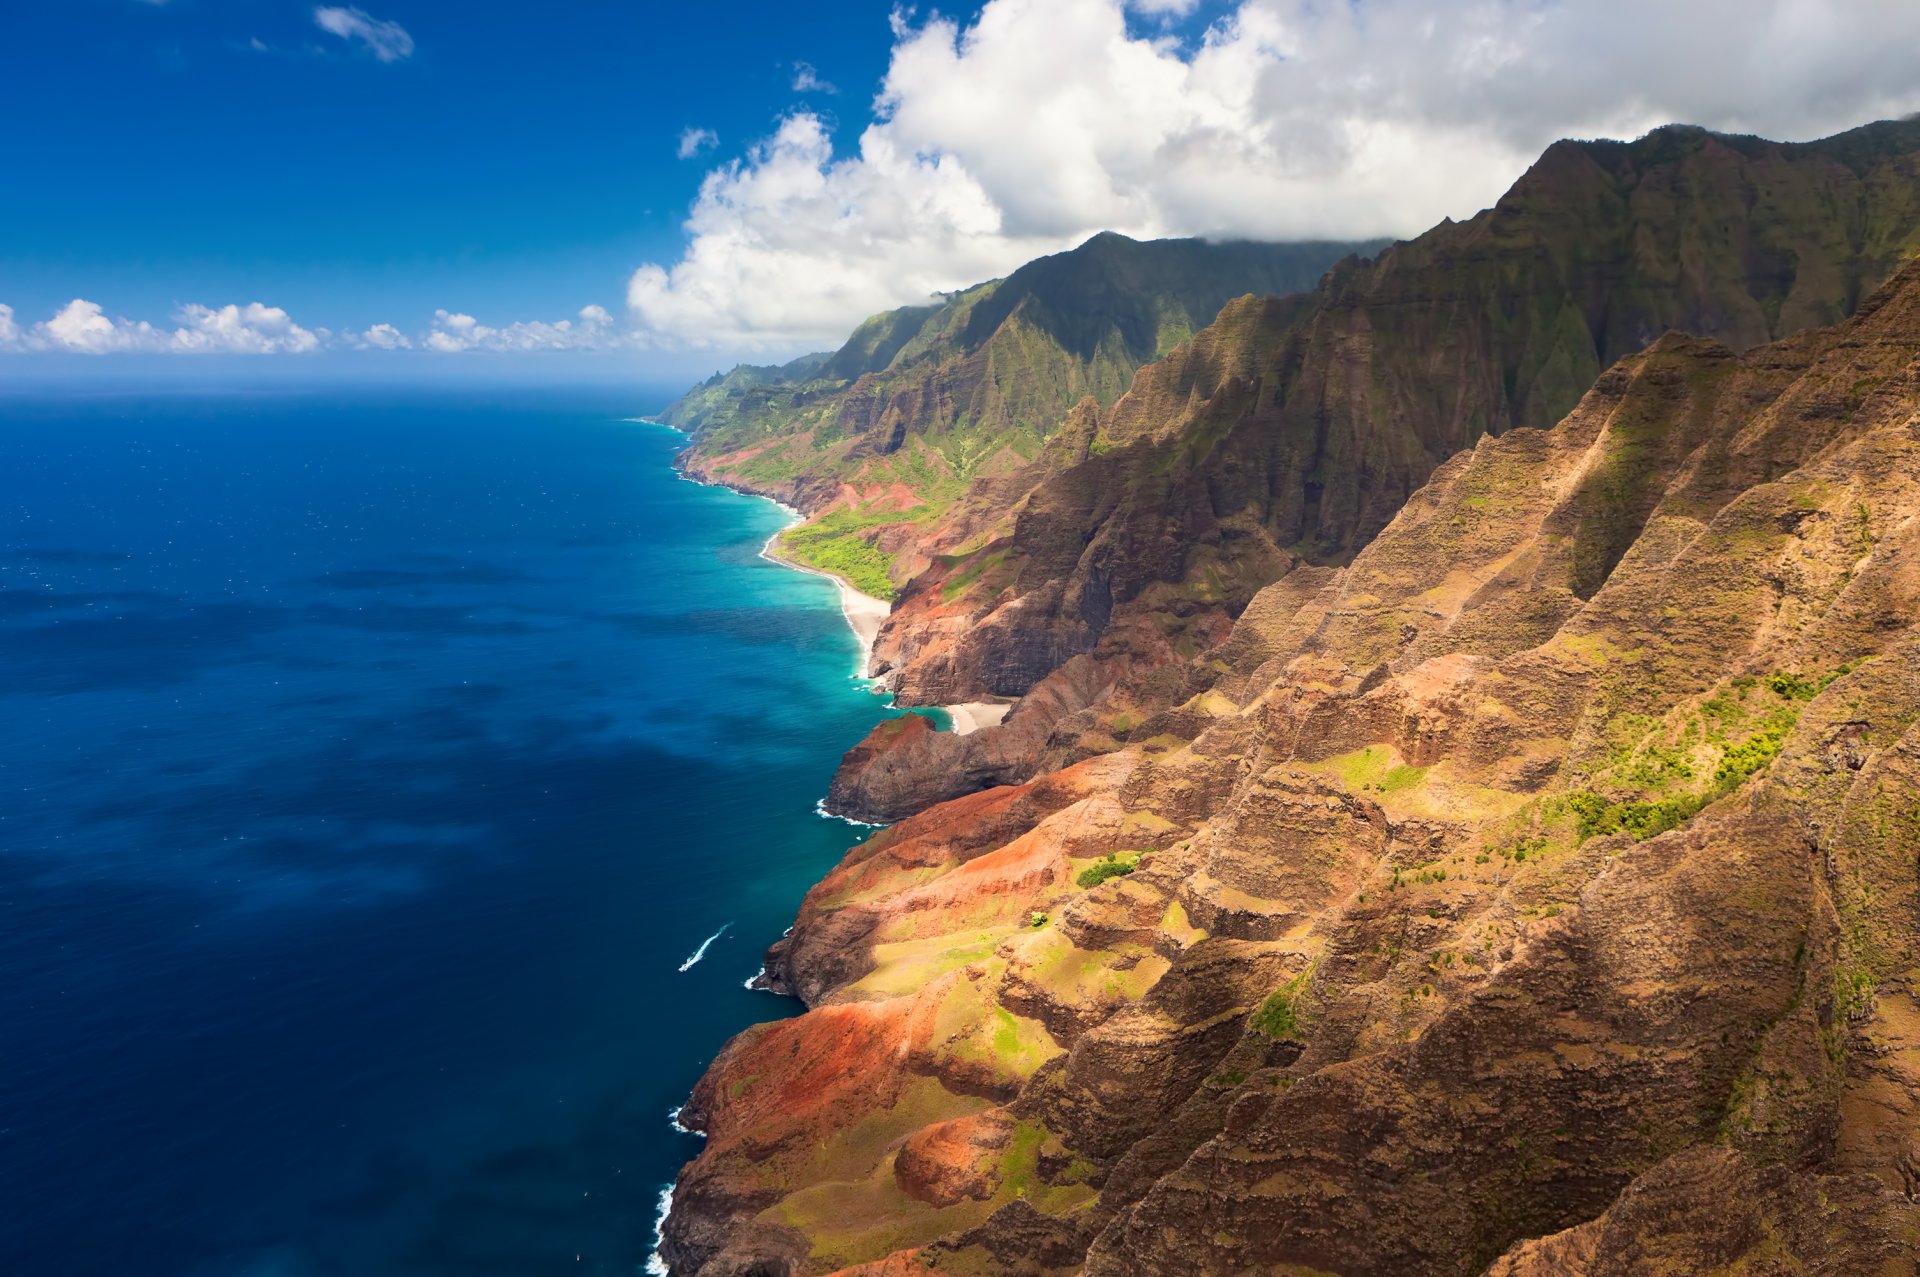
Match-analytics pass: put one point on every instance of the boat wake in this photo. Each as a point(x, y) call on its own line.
point(701, 952)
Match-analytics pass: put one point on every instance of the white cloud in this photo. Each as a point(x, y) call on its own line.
point(386, 41)
point(694, 141)
point(380, 337)
point(454, 333)
point(241, 330)
point(1046, 120)
point(82, 327)
point(807, 80)
point(594, 329)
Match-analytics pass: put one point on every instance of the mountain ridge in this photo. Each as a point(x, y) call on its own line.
point(1432, 841)
point(1291, 429)
point(921, 402)
point(1516, 892)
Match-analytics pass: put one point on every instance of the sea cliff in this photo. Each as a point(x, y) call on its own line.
point(1461, 813)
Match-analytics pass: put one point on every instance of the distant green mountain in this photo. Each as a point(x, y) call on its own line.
point(723, 393)
point(930, 396)
point(920, 402)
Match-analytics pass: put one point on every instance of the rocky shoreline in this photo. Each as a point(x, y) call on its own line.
point(1433, 839)
point(1392, 972)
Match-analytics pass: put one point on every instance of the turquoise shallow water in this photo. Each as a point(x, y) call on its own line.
point(373, 766)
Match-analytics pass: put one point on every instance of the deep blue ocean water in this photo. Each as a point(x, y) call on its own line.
point(369, 767)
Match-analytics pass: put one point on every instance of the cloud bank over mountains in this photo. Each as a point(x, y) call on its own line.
point(1048, 120)
point(1045, 121)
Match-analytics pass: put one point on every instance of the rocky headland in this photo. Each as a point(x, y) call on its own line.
point(1463, 811)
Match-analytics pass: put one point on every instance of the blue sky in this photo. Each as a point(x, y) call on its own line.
point(520, 162)
point(665, 187)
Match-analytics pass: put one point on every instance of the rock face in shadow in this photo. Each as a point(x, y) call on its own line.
point(1289, 431)
point(1292, 429)
point(904, 766)
point(1538, 893)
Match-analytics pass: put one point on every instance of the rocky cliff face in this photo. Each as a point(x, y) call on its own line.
point(1536, 893)
point(1291, 430)
point(1294, 429)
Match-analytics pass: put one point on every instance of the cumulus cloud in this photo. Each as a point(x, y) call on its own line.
point(386, 41)
point(241, 330)
point(1045, 121)
point(807, 80)
point(594, 329)
point(380, 337)
point(82, 327)
point(694, 141)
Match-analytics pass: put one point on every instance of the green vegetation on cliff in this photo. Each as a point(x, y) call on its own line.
point(1662, 768)
point(1005, 359)
point(1114, 865)
point(1297, 428)
point(720, 395)
point(837, 542)
point(931, 398)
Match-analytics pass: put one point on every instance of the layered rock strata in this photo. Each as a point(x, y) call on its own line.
point(1535, 894)
point(1289, 431)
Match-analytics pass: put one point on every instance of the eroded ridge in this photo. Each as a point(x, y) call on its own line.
point(1534, 895)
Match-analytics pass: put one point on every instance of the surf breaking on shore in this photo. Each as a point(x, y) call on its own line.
point(864, 613)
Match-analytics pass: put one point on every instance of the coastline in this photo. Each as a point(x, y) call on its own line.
point(974, 715)
point(864, 613)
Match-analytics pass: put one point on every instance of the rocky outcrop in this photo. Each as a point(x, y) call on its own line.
point(1537, 893)
point(904, 766)
point(1293, 429)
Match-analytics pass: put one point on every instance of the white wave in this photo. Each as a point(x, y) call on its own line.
point(656, 1266)
point(820, 810)
point(673, 1119)
point(701, 952)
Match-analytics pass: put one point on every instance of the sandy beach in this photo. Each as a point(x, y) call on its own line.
point(974, 715)
point(864, 613)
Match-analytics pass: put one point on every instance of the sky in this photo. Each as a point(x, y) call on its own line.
point(661, 189)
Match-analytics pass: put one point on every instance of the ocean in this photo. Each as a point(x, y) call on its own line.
point(399, 790)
